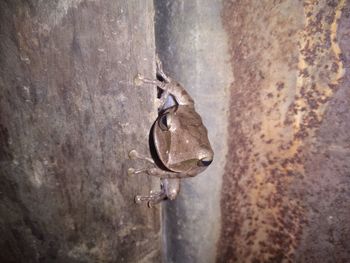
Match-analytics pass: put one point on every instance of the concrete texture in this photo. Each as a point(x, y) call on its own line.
point(192, 44)
point(69, 114)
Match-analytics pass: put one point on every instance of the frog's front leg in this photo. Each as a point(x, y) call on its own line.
point(133, 154)
point(155, 171)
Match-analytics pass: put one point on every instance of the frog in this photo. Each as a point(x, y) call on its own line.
point(179, 142)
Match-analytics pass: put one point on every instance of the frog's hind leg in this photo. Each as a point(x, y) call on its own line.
point(151, 199)
point(139, 79)
point(160, 71)
point(169, 189)
point(154, 197)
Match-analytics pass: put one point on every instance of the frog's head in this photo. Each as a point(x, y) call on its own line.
point(181, 140)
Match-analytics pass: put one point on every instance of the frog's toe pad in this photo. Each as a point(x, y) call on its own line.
point(138, 199)
point(133, 154)
point(131, 171)
point(138, 79)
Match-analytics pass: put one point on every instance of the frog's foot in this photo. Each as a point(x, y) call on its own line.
point(133, 154)
point(152, 199)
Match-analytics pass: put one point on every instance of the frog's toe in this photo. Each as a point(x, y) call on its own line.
point(133, 154)
point(138, 199)
point(138, 79)
point(131, 171)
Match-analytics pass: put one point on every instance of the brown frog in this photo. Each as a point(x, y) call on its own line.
point(178, 137)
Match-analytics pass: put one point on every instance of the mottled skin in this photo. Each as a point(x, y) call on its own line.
point(180, 140)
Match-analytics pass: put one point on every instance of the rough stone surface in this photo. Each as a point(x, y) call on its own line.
point(69, 114)
point(285, 195)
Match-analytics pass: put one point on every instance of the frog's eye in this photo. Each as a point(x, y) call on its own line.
point(164, 122)
point(205, 162)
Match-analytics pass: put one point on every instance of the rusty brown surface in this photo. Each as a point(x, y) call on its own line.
point(286, 188)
